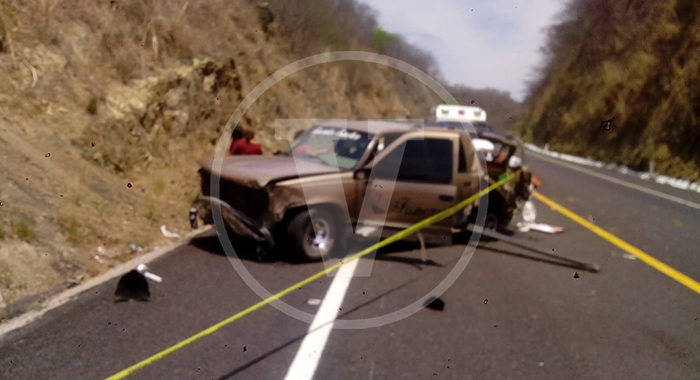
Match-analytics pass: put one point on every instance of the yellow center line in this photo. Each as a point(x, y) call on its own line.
point(636, 252)
point(391, 239)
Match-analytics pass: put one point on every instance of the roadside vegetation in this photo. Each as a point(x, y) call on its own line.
point(633, 62)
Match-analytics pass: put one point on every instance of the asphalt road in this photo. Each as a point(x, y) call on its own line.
point(508, 315)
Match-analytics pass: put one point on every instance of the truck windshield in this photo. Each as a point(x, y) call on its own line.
point(333, 146)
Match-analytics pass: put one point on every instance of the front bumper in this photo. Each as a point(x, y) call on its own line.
point(236, 220)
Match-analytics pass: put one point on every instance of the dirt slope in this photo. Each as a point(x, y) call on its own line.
point(105, 107)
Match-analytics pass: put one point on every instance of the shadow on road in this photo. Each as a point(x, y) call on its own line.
point(244, 249)
point(247, 250)
point(528, 257)
point(299, 337)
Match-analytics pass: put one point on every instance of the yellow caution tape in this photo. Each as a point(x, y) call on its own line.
point(391, 239)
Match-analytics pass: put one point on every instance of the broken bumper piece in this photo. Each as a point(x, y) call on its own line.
point(237, 221)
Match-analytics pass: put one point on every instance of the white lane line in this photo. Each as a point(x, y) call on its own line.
point(309, 354)
point(623, 183)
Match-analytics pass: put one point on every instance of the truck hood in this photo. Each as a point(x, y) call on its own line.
point(258, 171)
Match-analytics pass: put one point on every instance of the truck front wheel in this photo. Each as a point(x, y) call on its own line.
point(312, 234)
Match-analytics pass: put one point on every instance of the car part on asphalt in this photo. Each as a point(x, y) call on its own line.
point(132, 286)
point(143, 269)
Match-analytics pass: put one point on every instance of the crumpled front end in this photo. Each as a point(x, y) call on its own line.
point(251, 201)
point(243, 208)
point(237, 221)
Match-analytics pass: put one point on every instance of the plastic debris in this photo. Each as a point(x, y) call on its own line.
point(528, 216)
point(546, 228)
point(167, 233)
point(515, 162)
point(135, 247)
point(143, 269)
point(100, 260)
point(313, 301)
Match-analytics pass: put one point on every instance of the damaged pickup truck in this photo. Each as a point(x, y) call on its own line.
point(367, 178)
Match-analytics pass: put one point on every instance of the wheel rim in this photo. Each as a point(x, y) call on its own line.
point(318, 236)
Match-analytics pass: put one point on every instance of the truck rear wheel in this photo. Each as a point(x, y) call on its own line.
point(312, 234)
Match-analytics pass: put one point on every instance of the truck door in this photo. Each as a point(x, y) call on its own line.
point(413, 180)
point(469, 170)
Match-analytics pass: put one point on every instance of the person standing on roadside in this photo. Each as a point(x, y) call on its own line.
point(246, 145)
point(236, 135)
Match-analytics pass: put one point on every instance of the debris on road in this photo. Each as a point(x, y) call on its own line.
point(313, 301)
point(132, 286)
point(546, 228)
point(167, 233)
point(528, 215)
point(435, 303)
point(143, 269)
point(628, 256)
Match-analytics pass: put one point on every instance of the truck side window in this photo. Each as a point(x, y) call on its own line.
point(383, 142)
point(462, 168)
point(428, 160)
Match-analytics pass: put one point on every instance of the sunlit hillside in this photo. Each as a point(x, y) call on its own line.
point(633, 62)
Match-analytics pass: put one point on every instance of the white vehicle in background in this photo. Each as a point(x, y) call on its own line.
point(454, 113)
point(460, 114)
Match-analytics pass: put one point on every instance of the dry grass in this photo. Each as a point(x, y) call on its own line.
point(636, 62)
point(23, 230)
point(136, 91)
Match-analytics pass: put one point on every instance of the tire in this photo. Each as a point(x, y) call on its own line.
point(313, 234)
point(491, 222)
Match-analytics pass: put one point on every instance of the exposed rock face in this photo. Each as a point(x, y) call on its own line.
point(158, 116)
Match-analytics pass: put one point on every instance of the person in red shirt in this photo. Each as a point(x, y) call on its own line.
point(236, 135)
point(246, 145)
